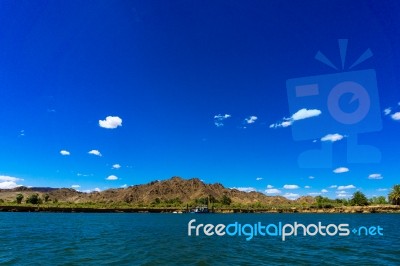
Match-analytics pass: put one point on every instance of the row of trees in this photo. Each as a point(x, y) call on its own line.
point(359, 199)
point(32, 199)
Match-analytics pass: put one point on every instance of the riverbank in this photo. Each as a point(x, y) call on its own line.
point(342, 209)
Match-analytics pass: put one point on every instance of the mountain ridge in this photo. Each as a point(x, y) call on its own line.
point(174, 189)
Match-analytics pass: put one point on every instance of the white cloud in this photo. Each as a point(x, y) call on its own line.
point(314, 193)
point(111, 122)
point(80, 174)
point(307, 187)
point(290, 186)
point(375, 176)
point(343, 195)
point(92, 190)
point(65, 152)
point(395, 116)
point(272, 191)
point(95, 152)
point(299, 115)
point(345, 187)
point(341, 170)
point(7, 178)
point(251, 119)
point(324, 191)
point(305, 113)
point(311, 177)
point(291, 196)
point(75, 186)
point(218, 119)
point(124, 186)
point(333, 186)
point(332, 137)
point(270, 186)
point(8, 185)
point(387, 111)
point(245, 189)
point(9, 182)
point(116, 166)
point(112, 177)
point(382, 189)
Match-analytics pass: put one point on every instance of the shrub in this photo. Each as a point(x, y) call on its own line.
point(34, 199)
point(19, 198)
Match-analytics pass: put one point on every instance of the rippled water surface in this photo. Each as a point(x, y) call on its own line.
point(161, 239)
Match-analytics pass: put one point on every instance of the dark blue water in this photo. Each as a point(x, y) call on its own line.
point(162, 239)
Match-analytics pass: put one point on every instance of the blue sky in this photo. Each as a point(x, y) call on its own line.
point(191, 89)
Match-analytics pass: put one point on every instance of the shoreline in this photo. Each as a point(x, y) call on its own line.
point(343, 209)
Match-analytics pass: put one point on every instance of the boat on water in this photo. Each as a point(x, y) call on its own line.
point(200, 210)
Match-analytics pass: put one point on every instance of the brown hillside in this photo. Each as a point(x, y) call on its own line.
point(186, 190)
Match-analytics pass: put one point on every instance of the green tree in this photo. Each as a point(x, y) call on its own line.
point(226, 200)
point(34, 199)
point(46, 197)
point(378, 200)
point(359, 199)
point(19, 198)
point(394, 195)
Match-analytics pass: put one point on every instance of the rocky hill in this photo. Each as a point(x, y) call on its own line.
point(175, 188)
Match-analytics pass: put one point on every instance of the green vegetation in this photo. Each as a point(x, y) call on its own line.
point(19, 198)
point(378, 200)
point(34, 199)
point(394, 195)
point(223, 203)
point(359, 199)
point(46, 197)
point(226, 200)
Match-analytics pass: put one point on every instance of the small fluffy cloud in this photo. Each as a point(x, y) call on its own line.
point(291, 196)
point(382, 189)
point(245, 189)
point(112, 177)
point(332, 137)
point(343, 195)
point(259, 178)
point(9, 182)
point(92, 190)
point(395, 116)
point(124, 186)
point(116, 166)
point(314, 193)
point(270, 186)
point(345, 187)
point(299, 115)
point(375, 176)
point(272, 191)
point(251, 119)
point(290, 186)
point(111, 122)
point(305, 113)
point(311, 177)
point(219, 119)
point(333, 186)
point(324, 191)
point(387, 111)
point(307, 187)
point(95, 152)
point(341, 170)
point(75, 186)
point(65, 152)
